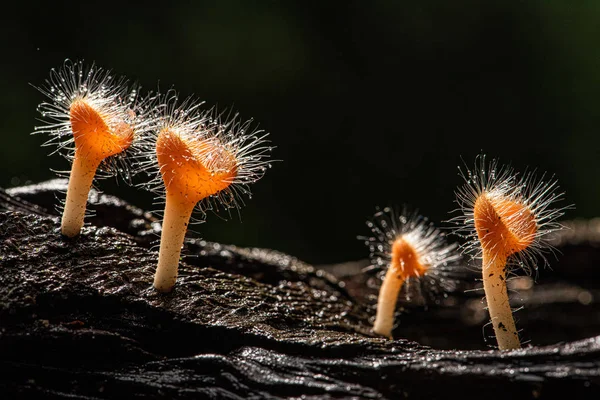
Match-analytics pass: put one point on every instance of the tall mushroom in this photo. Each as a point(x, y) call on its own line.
point(92, 118)
point(202, 161)
point(508, 219)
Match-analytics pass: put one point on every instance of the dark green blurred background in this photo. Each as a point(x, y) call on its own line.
point(368, 102)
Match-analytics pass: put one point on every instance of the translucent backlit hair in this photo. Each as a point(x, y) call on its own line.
point(412, 257)
point(113, 97)
point(212, 136)
point(507, 220)
point(96, 121)
point(197, 159)
point(538, 194)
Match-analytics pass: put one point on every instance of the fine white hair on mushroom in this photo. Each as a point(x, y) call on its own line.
point(116, 99)
point(442, 261)
point(538, 193)
point(224, 132)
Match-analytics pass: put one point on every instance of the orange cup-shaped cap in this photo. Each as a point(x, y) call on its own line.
point(194, 168)
point(504, 226)
point(93, 136)
point(405, 260)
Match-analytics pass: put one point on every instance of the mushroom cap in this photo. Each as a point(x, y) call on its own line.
point(196, 168)
point(95, 135)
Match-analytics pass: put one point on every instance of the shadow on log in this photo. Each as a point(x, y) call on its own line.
point(79, 320)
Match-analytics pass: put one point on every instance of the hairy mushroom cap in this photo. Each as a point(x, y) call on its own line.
point(195, 168)
point(92, 135)
point(95, 115)
point(507, 214)
point(504, 226)
point(411, 245)
point(201, 156)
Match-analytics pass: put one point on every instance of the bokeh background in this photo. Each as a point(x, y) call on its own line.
point(370, 103)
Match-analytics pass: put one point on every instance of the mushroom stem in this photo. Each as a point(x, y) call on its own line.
point(83, 171)
point(176, 219)
point(496, 294)
point(386, 303)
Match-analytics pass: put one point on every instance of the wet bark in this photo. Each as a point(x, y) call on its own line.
point(79, 319)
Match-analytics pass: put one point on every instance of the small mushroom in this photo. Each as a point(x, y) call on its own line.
point(508, 219)
point(406, 248)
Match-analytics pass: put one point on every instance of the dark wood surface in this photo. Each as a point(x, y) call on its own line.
point(79, 319)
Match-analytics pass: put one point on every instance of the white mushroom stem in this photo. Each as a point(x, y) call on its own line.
point(83, 171)
point(386, 303)
point(496, 295)
point(176, 219)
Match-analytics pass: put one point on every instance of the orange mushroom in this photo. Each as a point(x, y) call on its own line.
point(199, 159)
point(408, 248)
point(93, 117)
point(507, 218)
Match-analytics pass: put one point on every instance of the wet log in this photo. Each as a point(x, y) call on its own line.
point(79, 319)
